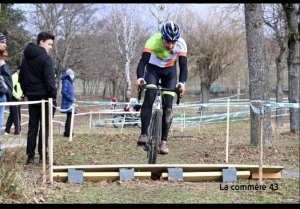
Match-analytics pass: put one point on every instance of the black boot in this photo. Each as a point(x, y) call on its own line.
point(30, 160)
point(41, 160)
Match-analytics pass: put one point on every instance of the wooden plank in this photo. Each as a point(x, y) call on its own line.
point(100, 176)
point(161, 168)
point(207, 176)
point(267, 175)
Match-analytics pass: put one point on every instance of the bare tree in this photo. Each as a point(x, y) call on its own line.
point(275, 19)
point(215, 45)
point(123, 23)
point(73, 26)
point(258, 73)
point(163, 13)
point(292, 16)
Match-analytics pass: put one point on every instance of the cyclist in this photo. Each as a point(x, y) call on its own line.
point(113, 102)
point(160, 54)
point(133, 106)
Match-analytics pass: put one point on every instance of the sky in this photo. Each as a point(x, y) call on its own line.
point(200, 7)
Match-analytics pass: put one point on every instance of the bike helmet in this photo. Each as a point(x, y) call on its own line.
point(170, 31)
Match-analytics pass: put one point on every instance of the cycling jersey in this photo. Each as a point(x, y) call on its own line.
point(159, 55)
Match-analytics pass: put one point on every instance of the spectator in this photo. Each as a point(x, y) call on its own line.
point(38, 83)
point(14, 116)
point(5, 79)
point(68, 98)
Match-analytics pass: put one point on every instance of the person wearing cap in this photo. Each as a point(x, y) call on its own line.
point(68, 98)
point(6, 84)
point(14, 116)
point(37, 81)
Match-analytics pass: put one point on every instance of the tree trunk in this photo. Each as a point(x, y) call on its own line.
point(127, 78)
point(293, 64)
point(205, 97)
point(280, 65)
point(258, 73)
point(104, 90)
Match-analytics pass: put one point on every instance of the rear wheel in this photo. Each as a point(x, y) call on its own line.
point(118, 121)
point(138, 121)
point(154, 133)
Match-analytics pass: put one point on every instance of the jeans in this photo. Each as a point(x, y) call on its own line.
point(2, 108)
point(14, 117)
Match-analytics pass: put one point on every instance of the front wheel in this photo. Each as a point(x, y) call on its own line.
point(118, 121)
point(154, 137)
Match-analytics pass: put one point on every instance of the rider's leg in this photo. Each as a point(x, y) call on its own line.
point(167, 117)
point(151, 78)
point(168, 80)
point(146, 110)
point(132, 111)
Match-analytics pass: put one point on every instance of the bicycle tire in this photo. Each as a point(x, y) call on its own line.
point(154, 130)
point(138, 120)
point(139, 125)
point(117, 121)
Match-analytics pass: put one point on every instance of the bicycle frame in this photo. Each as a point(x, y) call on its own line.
point(122, 120)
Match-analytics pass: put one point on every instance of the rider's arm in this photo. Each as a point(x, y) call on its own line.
point(183, 69)
point(142, 63)
point(127, 106)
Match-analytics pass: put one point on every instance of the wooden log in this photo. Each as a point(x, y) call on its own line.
point(207, 176)
point(266, 175)
point(100, 176)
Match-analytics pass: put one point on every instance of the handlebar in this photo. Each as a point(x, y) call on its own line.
point(178, 91)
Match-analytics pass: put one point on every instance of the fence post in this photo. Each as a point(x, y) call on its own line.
point(90, 119)
point(72, 122)
point(261, 117)
point(50, 147)
point(44, 140)
point(227, 132)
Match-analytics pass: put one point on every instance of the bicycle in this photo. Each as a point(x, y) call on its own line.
point(154, 130)
point(126, 119)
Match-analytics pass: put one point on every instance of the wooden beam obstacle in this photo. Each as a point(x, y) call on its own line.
point(191, 172)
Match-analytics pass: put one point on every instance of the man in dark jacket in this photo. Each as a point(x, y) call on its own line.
point(38, 83)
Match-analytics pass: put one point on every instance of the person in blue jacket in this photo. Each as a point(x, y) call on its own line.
point(68, 98)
